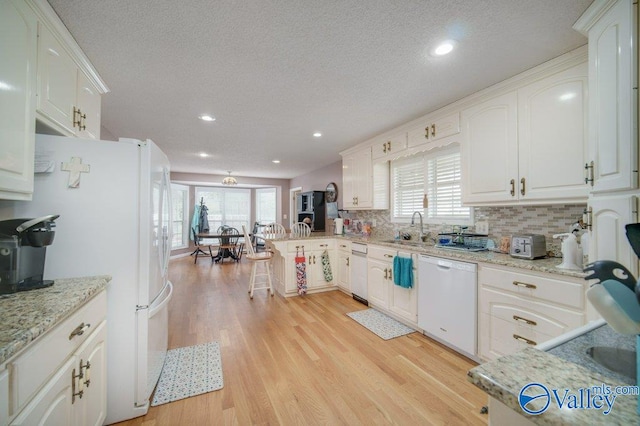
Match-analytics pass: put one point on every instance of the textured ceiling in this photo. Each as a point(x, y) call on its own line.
point(272, 72)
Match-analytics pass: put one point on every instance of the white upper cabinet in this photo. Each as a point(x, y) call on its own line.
point(365, 184)
point(552, 136)
point(513, 140)
point(613, 140)
point(57, 78)
point(490, 151)
point(67, 101)
point(434, 128)
point(388, 148)
point(18, 52)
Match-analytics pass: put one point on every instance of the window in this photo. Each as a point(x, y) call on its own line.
point(226, 206)
point(436, 175)
point(180, 209)
point(266, 205)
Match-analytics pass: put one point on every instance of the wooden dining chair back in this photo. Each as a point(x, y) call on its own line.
point(262, 258)
point(229, 244)
point(197, 241)
point(300, 229)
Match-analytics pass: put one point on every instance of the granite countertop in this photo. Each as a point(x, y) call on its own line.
point(504, 377)
point(547, 265)
point(26, 315)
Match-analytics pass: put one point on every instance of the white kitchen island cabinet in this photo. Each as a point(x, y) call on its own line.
point(18, 50)
point(512, 140)
point(285, 274)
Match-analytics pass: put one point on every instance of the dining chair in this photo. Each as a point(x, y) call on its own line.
point(300, 229)
point(274, 231)
point(197, 241)
point(229, 244)
point(262, 258)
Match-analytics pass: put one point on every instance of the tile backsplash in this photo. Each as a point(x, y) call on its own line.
point(503, 221)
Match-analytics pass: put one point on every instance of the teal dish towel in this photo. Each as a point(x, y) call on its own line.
point(403, 271)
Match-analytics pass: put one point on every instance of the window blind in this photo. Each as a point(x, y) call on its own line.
point(408, 186)
point(436, 174)
point(444, 187)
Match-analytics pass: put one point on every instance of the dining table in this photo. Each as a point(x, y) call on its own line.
point(224, 252)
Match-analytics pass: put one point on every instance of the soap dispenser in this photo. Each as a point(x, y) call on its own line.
point(569, 251)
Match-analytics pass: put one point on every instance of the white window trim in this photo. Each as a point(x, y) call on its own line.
point(186, 219)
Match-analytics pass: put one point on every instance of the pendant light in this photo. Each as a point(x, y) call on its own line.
point(229, 180)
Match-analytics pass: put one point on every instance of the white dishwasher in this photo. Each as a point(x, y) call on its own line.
point(358, 266)
point(447, 300)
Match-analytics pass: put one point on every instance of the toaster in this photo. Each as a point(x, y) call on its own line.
point(528, 246)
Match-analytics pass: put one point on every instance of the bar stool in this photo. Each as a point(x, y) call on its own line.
point(263, 258)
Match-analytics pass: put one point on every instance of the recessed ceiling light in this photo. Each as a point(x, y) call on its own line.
point(207, 118)
point(443, 48)
point(275, 161)
point(203, 155)
point(317, 134)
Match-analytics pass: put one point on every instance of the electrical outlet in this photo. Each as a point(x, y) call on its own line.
point(373, 223)
point(482, 227)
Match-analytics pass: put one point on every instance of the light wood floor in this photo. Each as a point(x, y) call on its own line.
point(302, 361)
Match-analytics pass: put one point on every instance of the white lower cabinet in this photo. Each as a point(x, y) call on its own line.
point(343, 267)
point(61, 378)
point(518, 309)
point(285, 272)
point(382, 292)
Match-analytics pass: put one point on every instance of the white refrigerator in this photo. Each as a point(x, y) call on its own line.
point(114, 202)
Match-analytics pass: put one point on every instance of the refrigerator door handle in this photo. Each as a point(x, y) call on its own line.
point(155, 308)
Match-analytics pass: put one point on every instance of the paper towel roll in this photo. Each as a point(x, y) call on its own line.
point(338, 225)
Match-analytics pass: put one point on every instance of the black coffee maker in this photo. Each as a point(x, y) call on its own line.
point(23, 244)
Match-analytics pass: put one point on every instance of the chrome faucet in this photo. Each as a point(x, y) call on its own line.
point(413, 222)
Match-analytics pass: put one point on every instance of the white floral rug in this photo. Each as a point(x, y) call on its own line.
point(382, 325)
point(189, 371)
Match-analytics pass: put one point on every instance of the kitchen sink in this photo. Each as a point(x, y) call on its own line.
point(619, 360)
point(407, 242)
point(598, 348)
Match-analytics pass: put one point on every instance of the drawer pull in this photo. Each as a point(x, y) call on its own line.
point(347, 261)
point(324, 245)
point(343, 246)
point(526, 321)
point(525, 285)
point(388, 255)
point(79, 330)
point(524, 339)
